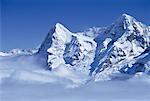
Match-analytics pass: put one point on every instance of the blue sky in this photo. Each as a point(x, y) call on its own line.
point(25, 23)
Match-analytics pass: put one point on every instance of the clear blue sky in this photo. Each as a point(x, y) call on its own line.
point(25, 23)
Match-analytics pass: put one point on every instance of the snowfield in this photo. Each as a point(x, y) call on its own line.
point(100, 64)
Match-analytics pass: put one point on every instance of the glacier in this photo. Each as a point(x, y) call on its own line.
point(97, 58)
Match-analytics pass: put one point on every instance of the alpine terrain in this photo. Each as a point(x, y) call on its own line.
point(120, 51)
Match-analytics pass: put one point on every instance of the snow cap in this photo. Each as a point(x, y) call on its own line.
point(127, 17)
point(62, 33)
point(60, 28)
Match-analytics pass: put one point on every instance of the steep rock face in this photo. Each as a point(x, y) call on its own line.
point(79, 53)
point(105, 41)
point(64, 47)
point(142, 64)
point(52, 48)
point(60, 37)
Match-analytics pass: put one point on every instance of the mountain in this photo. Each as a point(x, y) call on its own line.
point(119, 51)
point(19, 52)
point(119, 46)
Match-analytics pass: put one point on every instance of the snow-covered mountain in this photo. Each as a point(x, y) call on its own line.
point(72, 49)
point(14, 52)
point(100, 53)
point(119, 46)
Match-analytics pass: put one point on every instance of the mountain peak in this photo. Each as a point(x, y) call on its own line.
point(58, 32)
point(59, 24)
point(127, 16)
point(126, 21)
point(60, 28)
